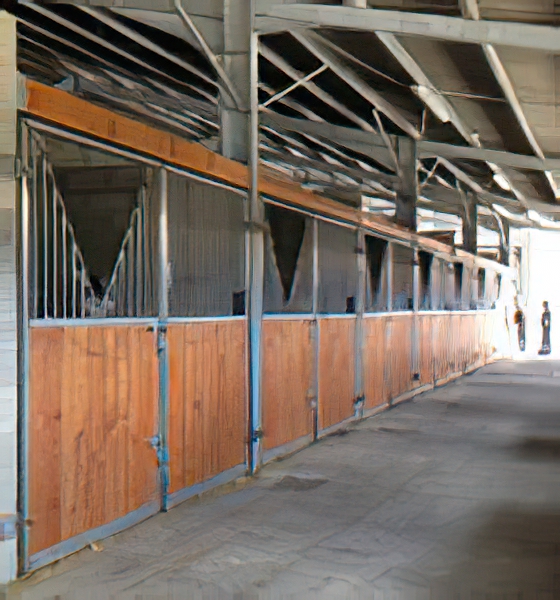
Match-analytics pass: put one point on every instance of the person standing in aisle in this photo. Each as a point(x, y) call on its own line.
point(519, 320)
point(545, 322)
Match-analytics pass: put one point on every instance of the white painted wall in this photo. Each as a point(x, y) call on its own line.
point(540, 275)
point(8, 295)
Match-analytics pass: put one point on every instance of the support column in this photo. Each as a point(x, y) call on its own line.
point(235, 121)
point(407, 193)
point(256, 261)
point(470, 223)
point(416, 324)
point(8, 302)
point(359, 392)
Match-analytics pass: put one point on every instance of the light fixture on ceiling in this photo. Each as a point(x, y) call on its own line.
point(502, 182)
point(435, 102)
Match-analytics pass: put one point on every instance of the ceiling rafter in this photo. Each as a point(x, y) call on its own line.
point(436, 101)
point(509, 92)
point(293, 17)
point(313, 43)
point(103, 43)
point(282, 64)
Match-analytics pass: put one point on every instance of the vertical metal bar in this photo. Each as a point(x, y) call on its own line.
point(45, 238)
point(144, 255)
point(54, 248)
point(64, 265)
point(389, 275)
point(316, 329)
point(416, 318)
point(35, 210)
point(138, 264)
point(74, 272)
point(82, 289)
point(25, 224)
point(163, 252)
point(256, 257)
point(359, 362)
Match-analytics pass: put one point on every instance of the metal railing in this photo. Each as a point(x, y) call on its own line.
point(60, 283)
point(126, 294)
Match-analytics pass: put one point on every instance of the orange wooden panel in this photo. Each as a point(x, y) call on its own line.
point(287, 382)
point(399, 355)
point(104, 381)
point(207, 400)
point(44, 438)
point(336, 370)
point(374, 349)
point(426, 348)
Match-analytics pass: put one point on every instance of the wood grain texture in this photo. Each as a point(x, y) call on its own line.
point(93, 408)
point(426, 348)
point(288, 381)
point(398, 372)
point(207, 400)
point(336, 370)
point(375, 345)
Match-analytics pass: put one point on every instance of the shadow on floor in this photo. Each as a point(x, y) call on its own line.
point(516, 554)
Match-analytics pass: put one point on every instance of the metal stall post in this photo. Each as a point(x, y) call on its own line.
point(315, 330)
point(256, 262)
point(415, 318)
point(23, 355)
point(388, 327)
point(359, 359)
point(160, 441)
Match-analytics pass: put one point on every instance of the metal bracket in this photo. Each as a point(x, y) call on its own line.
point(258, 434)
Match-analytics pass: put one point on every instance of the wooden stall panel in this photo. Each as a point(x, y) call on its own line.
point(336, 370)
point(426, 348)
point(375, 388)
point(288, 381)
point(207, 400)
point(92, 411)
point(399, 355)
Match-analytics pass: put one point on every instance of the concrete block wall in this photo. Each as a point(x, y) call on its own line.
point(8, 301)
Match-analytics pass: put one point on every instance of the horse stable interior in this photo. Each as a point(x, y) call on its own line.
point(192, 287)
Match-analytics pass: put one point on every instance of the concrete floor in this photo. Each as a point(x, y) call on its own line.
point(453, 496)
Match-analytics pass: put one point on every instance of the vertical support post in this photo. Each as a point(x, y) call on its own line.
point(359, 394)
point(316, 332)
point(470, 222)
point(64, 265)
point(54, 248)
point(256, 259)
point(416, 318)
point(163, 359)
point(23, 480)
point(389, 275)
point(45, 193)
point(407, 193)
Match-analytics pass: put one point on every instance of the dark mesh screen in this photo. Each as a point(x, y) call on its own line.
point(206, 250)
point(403, 265)
point(338, 269)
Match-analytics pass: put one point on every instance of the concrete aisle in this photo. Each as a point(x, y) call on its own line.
point(453, 496)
